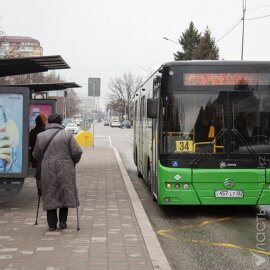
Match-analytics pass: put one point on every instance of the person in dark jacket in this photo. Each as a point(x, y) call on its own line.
point(40, 127)
point(250, 131)
point(58, 179)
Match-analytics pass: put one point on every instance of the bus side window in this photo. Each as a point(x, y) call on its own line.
point(135, 115)
point(142, 111)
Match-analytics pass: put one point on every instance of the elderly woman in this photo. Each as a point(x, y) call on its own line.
point(58, 179)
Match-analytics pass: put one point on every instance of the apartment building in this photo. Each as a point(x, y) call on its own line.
point(19, 46)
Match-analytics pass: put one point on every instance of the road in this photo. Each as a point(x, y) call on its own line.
point(199, 237)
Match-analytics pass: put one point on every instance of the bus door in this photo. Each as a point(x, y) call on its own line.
point(141, 134)
point(154, 149)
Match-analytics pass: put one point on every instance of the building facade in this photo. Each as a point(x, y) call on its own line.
point(19, 46)
point(89, 105)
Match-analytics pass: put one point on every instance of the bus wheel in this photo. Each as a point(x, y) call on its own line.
point(139, 174)
point(136, 163)
point(136, 158)
point(150, 182)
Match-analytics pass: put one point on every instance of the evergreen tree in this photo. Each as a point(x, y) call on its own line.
point(189, 41)
point(206, 49)
point(197, 46)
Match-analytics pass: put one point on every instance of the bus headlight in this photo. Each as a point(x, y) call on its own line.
point(177, 186)
point(168, 185)
point(186, 186)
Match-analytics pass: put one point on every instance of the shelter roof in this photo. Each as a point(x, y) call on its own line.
point(44, 87)
point(26, 65)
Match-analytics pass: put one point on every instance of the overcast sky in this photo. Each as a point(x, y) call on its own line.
point(104, 38)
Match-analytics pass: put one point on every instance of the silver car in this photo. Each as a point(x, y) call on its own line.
point(73, 127)
point(115, 123)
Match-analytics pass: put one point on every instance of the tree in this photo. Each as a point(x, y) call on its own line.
point(197, 46)
point(189, 42)
point(123, 91)
point(206, 49)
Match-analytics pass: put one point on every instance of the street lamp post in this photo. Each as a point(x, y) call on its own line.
point(171, 40)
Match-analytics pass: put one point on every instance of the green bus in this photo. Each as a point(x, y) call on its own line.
point(201, 133)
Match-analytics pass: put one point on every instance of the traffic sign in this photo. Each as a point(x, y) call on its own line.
point(85, 125)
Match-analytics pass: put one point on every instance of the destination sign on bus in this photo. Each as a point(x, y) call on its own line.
point(203, 79)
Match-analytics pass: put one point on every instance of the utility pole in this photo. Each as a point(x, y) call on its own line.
point(94, 96)
point(64, 104)
point(243, 29)
point(1, 31)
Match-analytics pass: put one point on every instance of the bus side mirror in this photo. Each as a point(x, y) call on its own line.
point(152, 108)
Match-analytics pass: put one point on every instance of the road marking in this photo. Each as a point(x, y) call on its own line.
point(204, 223)
point(228, 245)
point(110, 140)
point(166, 233)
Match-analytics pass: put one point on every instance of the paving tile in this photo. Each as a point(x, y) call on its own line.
point(109, 236)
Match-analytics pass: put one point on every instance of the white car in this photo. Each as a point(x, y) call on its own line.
point(115, 123)
point(73, 127)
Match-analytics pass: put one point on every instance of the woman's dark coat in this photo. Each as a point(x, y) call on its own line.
point(58, 179)
point(32, 141)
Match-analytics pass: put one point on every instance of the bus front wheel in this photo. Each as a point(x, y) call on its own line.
point(150, 182)
point(139, 174)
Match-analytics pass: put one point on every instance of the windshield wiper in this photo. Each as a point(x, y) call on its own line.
point(209, 147)
point(242, 139)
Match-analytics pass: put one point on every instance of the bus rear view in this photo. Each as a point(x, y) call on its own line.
point(210, 134)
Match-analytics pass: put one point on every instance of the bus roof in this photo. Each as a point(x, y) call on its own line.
point(216, 63)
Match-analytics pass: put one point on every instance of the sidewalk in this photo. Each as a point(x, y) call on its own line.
point(110, 237)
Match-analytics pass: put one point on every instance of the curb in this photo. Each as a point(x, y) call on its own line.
point(156, 253)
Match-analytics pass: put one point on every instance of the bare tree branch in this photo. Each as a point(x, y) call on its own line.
point(123, 91)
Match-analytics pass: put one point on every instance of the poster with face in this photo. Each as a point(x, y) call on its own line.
point(40, 107)
point(11, 133)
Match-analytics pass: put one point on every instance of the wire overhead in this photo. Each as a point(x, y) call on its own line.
point(229, 31)
point(256, 18)
point(258, 7)
point(239, 20)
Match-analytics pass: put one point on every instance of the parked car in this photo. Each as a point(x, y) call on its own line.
point(106, 124)
point(115, 123)
point(125, 124)
point(73, 127)
point(66, 121)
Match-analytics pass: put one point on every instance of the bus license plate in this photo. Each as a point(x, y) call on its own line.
point(229, 193)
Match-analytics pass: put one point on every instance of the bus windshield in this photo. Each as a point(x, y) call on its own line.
point(192, 122)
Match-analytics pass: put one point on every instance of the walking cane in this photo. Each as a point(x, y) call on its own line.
point(78, 225)
point(77, 210)
point(37, 210)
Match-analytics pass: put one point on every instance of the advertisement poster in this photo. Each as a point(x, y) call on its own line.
point(40, 107)
point(11, 133)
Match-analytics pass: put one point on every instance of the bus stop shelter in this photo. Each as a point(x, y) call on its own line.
point(11, 183)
